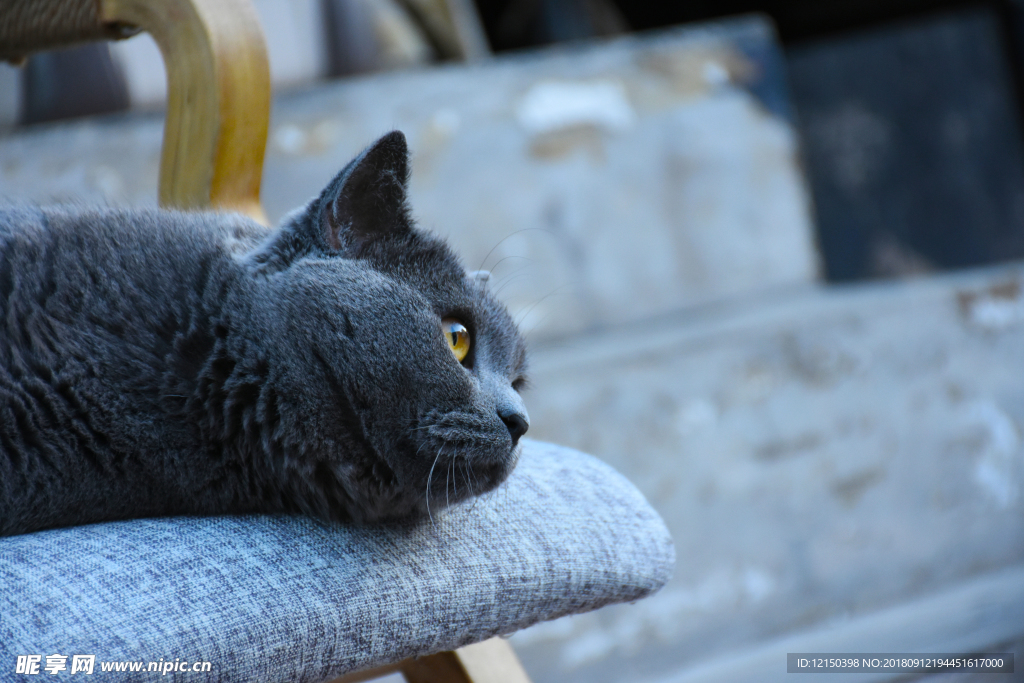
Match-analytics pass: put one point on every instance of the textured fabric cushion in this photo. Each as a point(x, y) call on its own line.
point(33, 25)
point(283, 598)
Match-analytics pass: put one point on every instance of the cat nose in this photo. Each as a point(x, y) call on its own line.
point(517, 424)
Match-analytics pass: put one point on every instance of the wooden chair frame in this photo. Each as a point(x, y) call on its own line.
point(492, 661)
point(218, 99)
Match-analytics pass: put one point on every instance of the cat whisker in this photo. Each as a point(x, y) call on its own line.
point(509, 279)
point(447, 483)
point(467, 472)
point(417, 429)
point(522, 316)
point(523, 269)
point(510, 256)
point(429, 475)
point(482, 263)
point(455, 478)
point(418, 451)
point(495, 266)
point(476, 498)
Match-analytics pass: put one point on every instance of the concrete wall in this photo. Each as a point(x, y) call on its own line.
point(601, 184)
point(817, 457)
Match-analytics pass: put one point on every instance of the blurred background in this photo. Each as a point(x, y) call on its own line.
point(767, 256)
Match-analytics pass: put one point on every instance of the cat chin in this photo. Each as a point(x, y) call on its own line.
point(454, 476)
point(377, 494)
point(461, 480)
point(459, 454)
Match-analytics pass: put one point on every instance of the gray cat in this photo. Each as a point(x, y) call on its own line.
point(343, 366)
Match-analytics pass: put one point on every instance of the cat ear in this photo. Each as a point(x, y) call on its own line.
point(367, 199)
point(363, 202)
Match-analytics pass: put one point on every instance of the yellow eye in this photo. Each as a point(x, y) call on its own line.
point(457, 336)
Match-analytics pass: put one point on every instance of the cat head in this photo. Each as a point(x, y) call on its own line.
point(396, 373)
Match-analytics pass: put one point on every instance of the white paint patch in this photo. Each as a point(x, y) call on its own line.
point(695, 415)
point(998, 469)
point(317, 138)
point(290, 139)
point(993, 478)
point(715, 74)
point(757, 584)
point(446, 121)
point(996, 313)
point(555, 105)
point(108, 182)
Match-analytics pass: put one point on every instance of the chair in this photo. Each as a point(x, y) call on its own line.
point(218, 102)
point(266, 598)
point(279, 598)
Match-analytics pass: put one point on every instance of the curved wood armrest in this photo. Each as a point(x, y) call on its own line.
point(218, 99)
point(218, 85)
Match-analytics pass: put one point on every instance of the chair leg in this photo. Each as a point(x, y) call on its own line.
point(492, 661)
point(218, 99)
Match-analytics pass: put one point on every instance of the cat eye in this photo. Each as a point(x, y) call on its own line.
point(457, 336)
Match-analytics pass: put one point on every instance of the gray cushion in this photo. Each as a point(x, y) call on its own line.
point(286, 598)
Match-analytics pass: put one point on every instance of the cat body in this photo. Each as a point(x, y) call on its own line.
point(161, 363)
